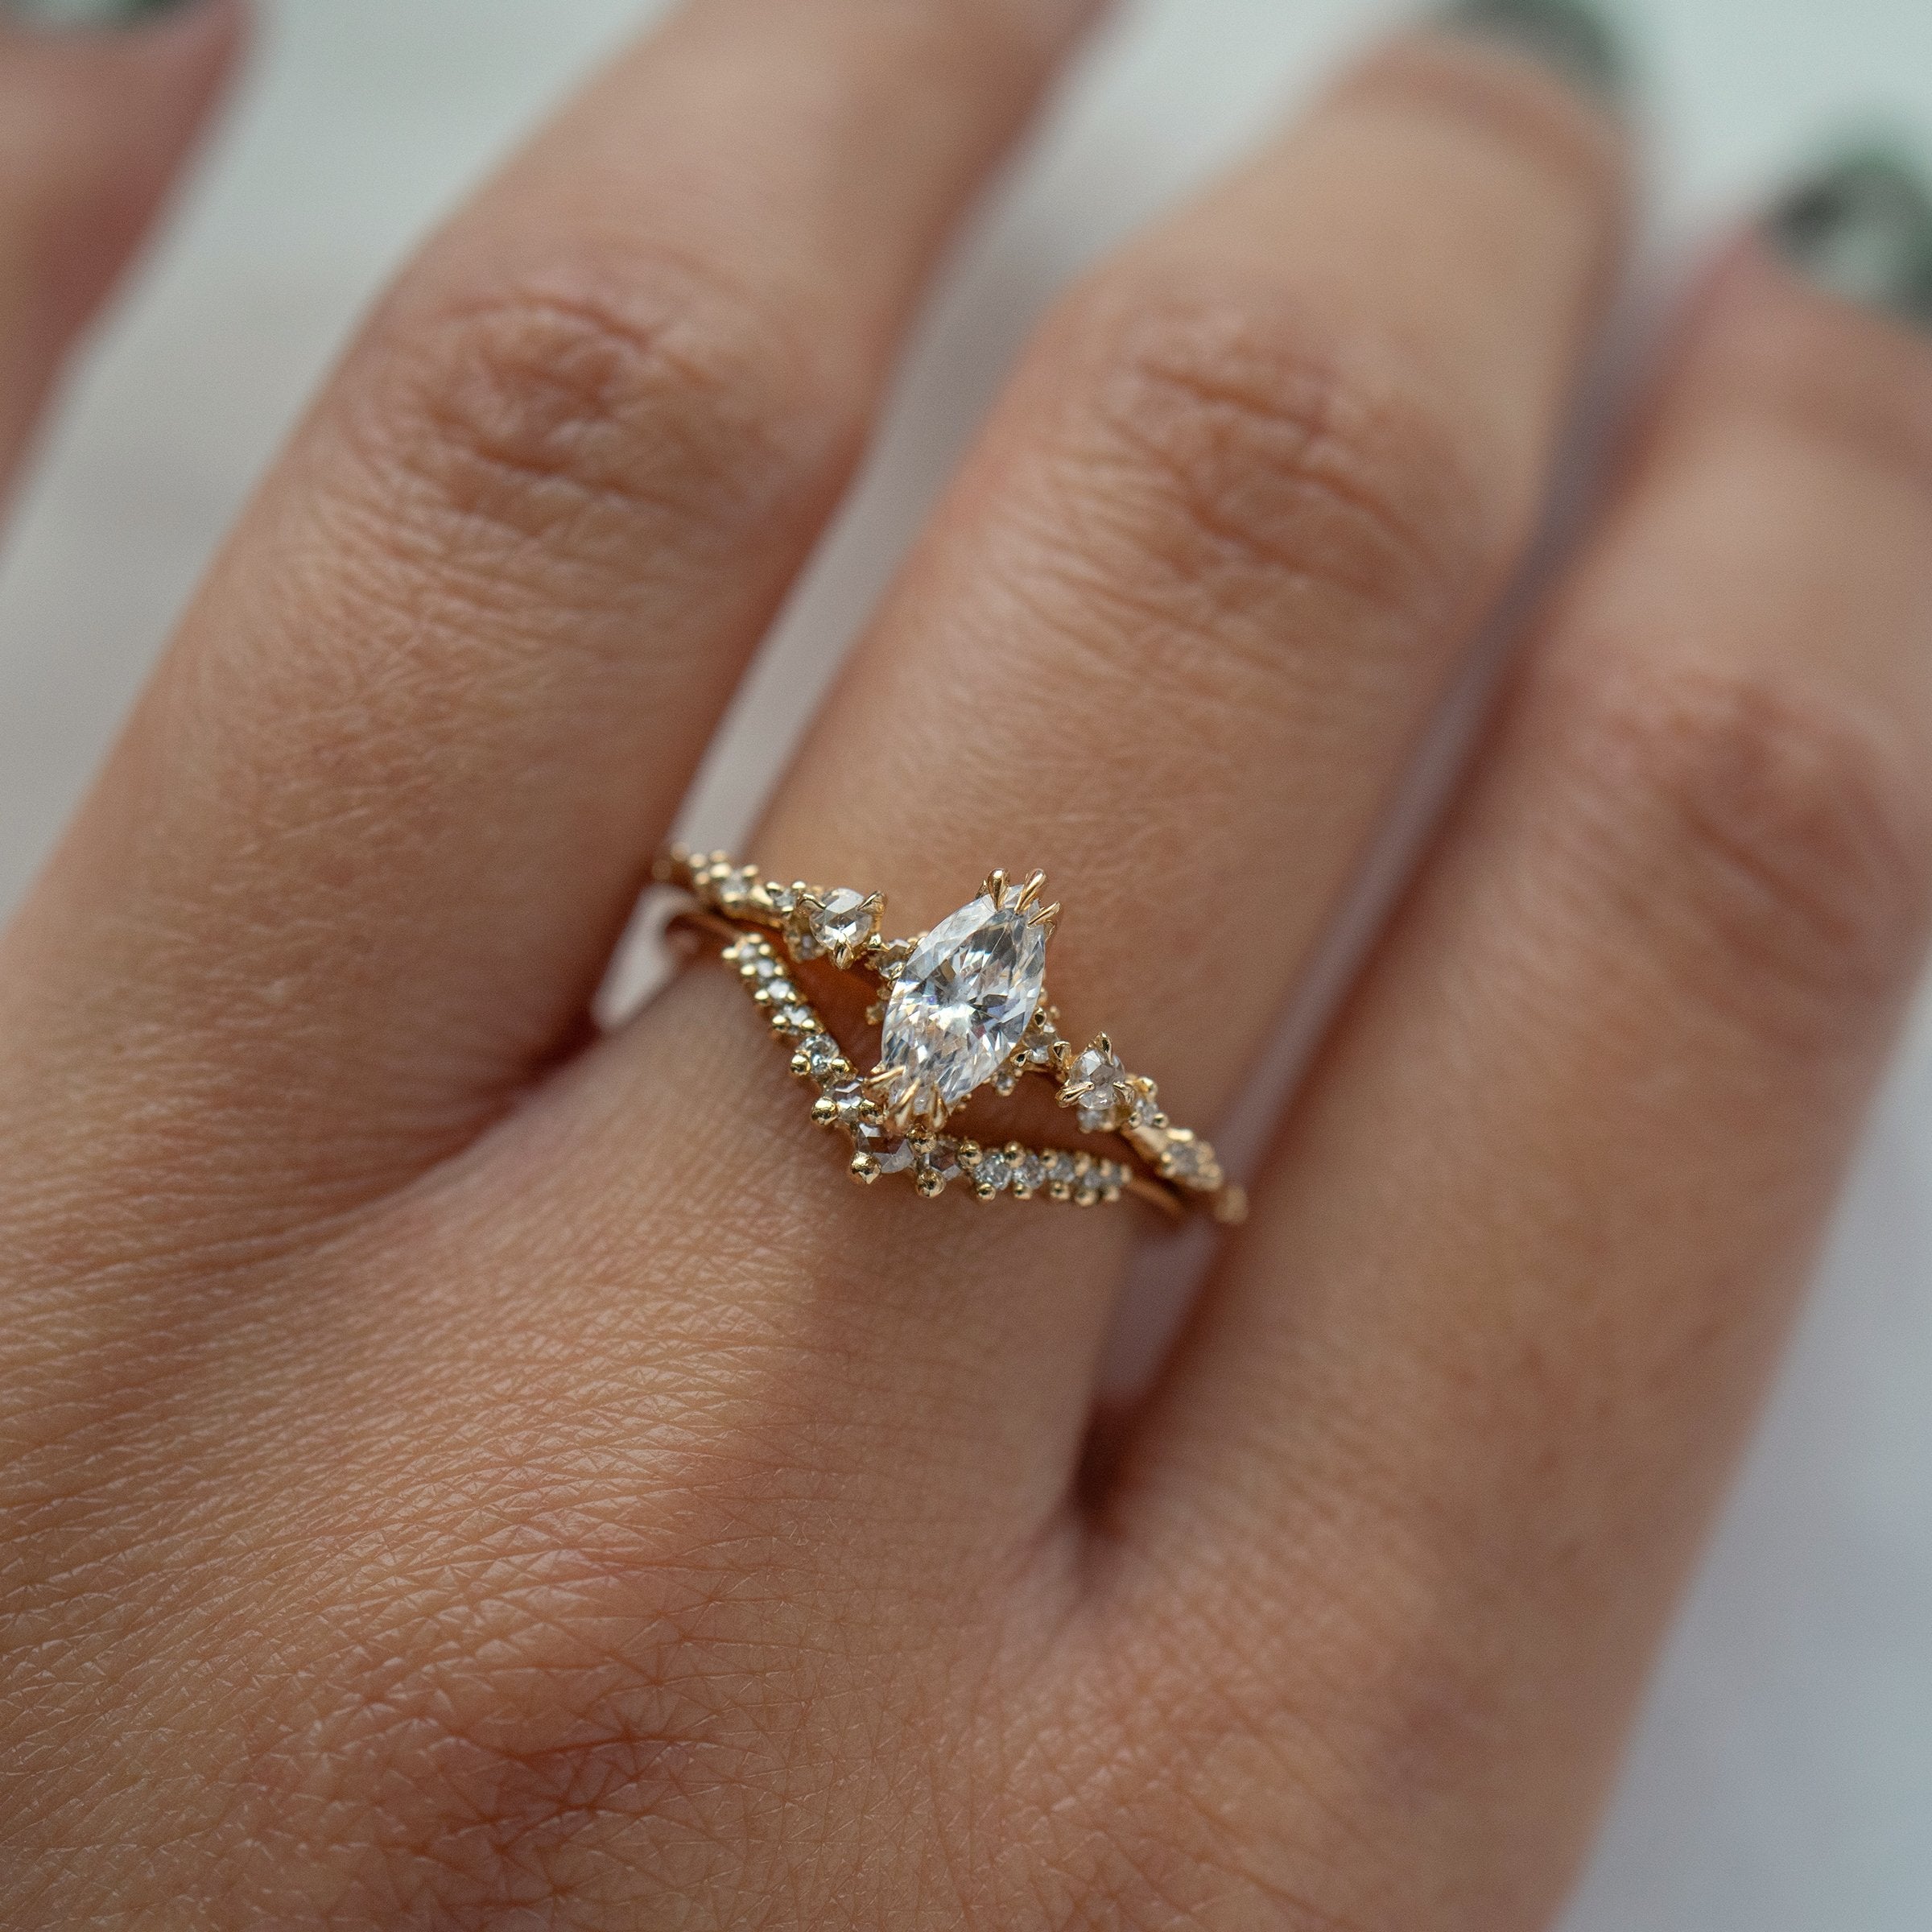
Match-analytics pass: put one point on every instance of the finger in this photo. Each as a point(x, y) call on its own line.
point(1169, 641)
point(93, 128)
point(1442, 1442)
point(1255, 484)
point(363, 855)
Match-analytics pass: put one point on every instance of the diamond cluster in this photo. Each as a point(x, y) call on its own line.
point(1112, 1100)
point(961, 1007)
point(932, 1161)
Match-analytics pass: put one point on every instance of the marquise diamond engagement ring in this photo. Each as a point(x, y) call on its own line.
point(958, 1009)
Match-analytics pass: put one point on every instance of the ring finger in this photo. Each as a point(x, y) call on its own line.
point(1253, 487)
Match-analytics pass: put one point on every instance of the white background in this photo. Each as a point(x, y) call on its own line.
point(1782, 1779)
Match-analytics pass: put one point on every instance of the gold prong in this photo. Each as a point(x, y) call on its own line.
point(993, 887)
point(929, 1183)
point(865, 1168)
point(1029, 893)
point(825, 1111)
point(1045, 920)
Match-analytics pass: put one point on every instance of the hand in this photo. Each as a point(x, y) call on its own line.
point(458, 1470)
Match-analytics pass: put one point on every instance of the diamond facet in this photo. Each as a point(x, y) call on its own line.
point(962, 1003)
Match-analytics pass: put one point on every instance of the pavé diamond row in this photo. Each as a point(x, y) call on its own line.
point(960, 1008)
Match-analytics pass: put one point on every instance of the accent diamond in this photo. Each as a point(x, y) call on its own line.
point(992, 1172)
point(1097, 1083)
point(964, 1002)
point(1191, 1161)
point(934, 1164)
point(840, 924)
point(892, 1154)
point(820, 1055)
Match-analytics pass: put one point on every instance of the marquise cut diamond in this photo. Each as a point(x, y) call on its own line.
point(962, 1004)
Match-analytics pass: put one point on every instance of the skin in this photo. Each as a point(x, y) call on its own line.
point(461, 1471)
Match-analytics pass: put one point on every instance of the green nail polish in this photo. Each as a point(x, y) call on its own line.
point(1572, 37)
point(1862, 229)
point(83, 13)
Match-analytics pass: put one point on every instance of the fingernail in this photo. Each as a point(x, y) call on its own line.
point(83, 13)
point(1862, 229)
point(1568, 36)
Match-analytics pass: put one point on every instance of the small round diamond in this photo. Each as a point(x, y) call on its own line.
point(821, 1054)
point(993, 1173)
point(1029, 1174)
point(1191, 1161)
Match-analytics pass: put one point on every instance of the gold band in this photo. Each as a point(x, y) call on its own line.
point(961, 1007)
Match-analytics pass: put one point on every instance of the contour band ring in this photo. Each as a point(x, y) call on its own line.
point(960, 1008)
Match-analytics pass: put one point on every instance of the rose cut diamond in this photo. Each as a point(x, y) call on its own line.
point(962, 1005)
point(840, 925)
point(1098, 1083)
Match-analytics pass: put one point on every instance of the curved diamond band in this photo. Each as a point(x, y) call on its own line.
point(960, 1008)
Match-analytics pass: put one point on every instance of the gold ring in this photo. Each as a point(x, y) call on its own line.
point(960, 1008)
